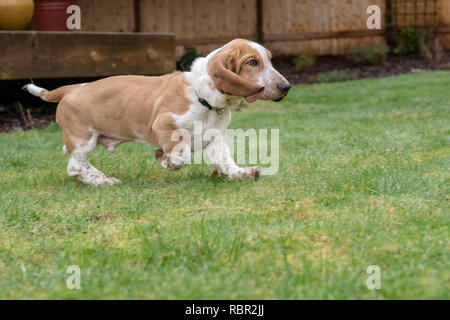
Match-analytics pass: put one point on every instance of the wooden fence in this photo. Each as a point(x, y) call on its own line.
point(317, 26)
point(205, 24)
point(284, 26)
point(444, 22)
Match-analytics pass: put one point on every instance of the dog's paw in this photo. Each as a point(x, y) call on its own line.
point(257, 173)
point(253, 172)
point(111, 181)
point(216, 174)
point(244, 173)
point(159, 154)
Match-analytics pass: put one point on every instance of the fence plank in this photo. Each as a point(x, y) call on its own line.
point(203, 23)
point(444, 22)
point(109, 16)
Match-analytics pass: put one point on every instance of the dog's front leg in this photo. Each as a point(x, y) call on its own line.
point(175, 152)
point(220, 156)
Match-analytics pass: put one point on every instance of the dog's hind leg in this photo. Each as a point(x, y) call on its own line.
point(78, 149)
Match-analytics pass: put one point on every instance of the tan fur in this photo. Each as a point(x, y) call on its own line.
point(231, 74)
point(125, 107)
point(57, 94)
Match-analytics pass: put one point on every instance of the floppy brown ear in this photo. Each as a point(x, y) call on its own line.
point(223, 68)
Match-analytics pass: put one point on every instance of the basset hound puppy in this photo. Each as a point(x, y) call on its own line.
point(145, 109)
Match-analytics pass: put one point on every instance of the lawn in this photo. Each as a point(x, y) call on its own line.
point(363, 180)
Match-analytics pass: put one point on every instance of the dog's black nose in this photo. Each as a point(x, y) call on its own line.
point(284, 87)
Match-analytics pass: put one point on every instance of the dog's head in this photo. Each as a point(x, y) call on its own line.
point(243, 68)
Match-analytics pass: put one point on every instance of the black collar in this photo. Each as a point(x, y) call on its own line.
point(206, 104)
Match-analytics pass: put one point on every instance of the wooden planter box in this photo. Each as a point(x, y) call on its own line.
point(40, 54)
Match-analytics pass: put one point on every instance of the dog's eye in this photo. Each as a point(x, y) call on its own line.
point(253, 63)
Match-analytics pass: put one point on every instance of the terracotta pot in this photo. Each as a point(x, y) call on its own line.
point(51, 15)
point(15, 14)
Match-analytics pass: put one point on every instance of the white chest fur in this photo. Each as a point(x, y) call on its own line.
point(200, 123)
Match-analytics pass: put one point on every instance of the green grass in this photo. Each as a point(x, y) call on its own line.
point(363, 180)
point(332, 76)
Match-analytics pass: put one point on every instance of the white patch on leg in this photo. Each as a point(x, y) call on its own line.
point(90, 175)
point(80, 168)
point(165, 163)
point(220, 156)
point(177, 158)
point(180, 155)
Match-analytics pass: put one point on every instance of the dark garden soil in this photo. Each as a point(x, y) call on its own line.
point(13, 117)
point(394, 65)
point(20, 110)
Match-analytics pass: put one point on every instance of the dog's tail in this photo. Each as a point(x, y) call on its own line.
point(50, 96)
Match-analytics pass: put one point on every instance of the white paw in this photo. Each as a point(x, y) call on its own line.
point(112, 181)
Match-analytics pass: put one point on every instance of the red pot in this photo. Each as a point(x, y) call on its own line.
point(51, 15)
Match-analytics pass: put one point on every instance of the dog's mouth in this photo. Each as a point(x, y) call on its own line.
point(258, 94)
point(255, 96)
point(280, 98)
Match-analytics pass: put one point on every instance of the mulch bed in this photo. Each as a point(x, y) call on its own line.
point(19, 110)
point(17, 117)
